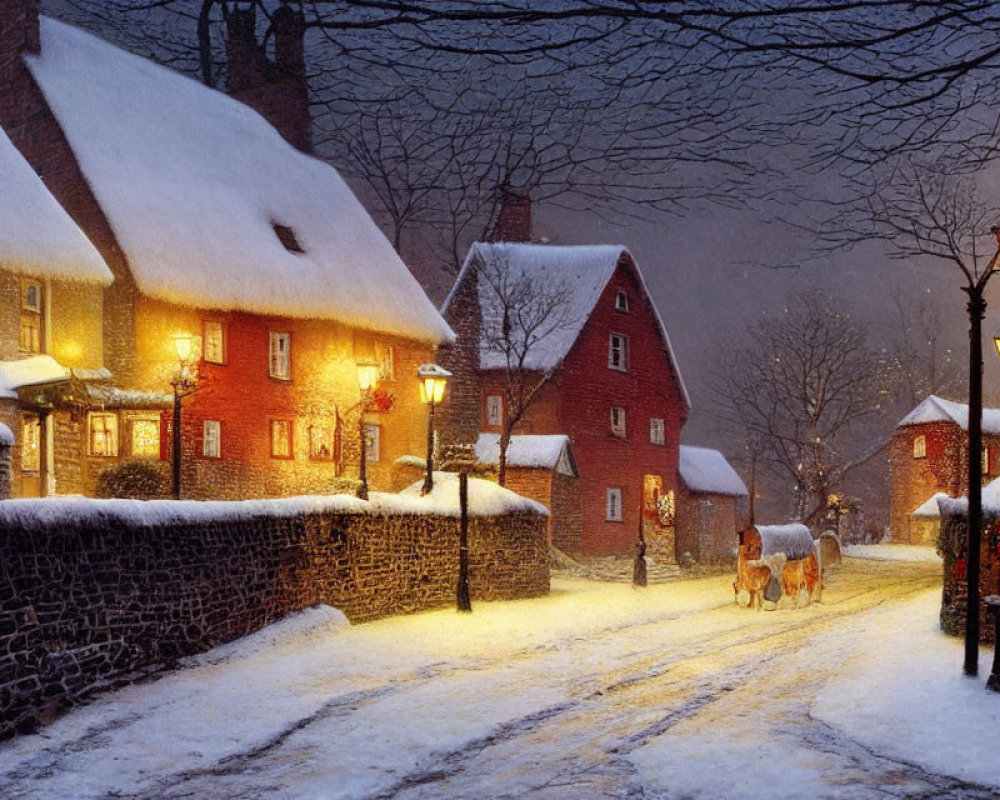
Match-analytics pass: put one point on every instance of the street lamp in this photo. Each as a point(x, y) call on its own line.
point(183, 384)
point(433, 380)
point(368, 374)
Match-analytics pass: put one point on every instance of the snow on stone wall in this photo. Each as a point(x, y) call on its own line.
point(119, 588)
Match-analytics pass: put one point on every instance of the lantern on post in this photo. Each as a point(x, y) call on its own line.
point(368, 375)
point(433, 380)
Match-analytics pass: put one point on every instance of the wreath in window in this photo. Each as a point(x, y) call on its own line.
point(665, 509)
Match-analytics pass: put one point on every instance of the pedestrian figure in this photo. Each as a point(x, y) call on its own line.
point(639, 567)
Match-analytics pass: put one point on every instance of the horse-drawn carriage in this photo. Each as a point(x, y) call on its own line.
point(777, 565)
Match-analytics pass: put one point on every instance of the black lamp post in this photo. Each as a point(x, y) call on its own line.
point(433, 380)
point(367, 379)
point(183, 384)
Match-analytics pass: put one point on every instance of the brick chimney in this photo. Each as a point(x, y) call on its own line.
point(275, 89)
point(18, 32)
point(514, 218)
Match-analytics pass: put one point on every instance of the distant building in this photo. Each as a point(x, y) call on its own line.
point(929, 456)
point(197, 218)
point(710, 506)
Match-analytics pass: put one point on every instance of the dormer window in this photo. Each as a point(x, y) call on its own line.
point(287, 237)
point(621, 301)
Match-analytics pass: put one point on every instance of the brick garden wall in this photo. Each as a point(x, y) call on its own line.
point(87, 604)
point(954, 592)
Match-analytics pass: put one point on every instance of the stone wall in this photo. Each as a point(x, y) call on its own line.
point(91, 601)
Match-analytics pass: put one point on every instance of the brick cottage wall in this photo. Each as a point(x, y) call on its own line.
point(87, 605)
point(706, 527)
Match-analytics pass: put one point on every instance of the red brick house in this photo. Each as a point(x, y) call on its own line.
point(611, 382)
point(710, 506)
point(928, 456)
point(212, 226)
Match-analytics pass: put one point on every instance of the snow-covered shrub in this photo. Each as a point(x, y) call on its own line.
point(136, 479)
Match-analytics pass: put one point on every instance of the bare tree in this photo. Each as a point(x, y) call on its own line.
point(522, 315)
point(800, 391)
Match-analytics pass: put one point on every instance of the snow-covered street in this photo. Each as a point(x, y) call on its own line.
point(599, 690)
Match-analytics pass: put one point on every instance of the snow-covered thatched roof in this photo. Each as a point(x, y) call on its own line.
point(579, 273)
point(37, 236)
point(529, 450)
point(198, 189)
point(793, 539)
point(937, 409)
point(707, 471)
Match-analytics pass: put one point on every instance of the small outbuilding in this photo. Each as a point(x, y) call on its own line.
point(710, 503)
point(542, 468)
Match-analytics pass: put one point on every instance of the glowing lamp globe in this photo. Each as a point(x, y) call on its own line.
point(183, 345)
point(433, 380)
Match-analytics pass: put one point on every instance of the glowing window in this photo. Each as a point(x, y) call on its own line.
point(215, 342)
point(103, 434)
point(281, 438)
point(919, 446)
point(146, 438)
point(373, 442)
point(31, 443)
point(321, 442)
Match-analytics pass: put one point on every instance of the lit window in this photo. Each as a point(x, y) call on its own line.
point(385, 357)
point(373, 443)
point(919, 446)
point(321, 442)
point(31, 443)
point(657, 433)
point(621, 301)
point(618, 352)
point(281, 438)
point(211, 438)
point(618, 421)
point(613, 506)
point(146, 438)
point(30, 328)
point(281, 361)
point(215, 342)
point(103, 434)
point(494, 410)
point(986, 461)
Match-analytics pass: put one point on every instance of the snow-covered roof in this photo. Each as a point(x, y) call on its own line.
point(990, 501)
point(937, 409)
point(793, 539)
point(529, 450)
point(6, 436)
point(198, 187)
point(29, 371)
point(485, 498)
point(37, 236)
point(705, 470)
point(580, 272)
point(929, 508)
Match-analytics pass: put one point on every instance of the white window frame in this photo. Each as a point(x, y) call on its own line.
point(280, 356)
point(211, 438)
point(218, 333)
point(657, 431)
point(494, 410)
point(618, 352)
point(621, 301)
point(373, 442)
point(920, 446)
point(613, 504)
point(618, 421)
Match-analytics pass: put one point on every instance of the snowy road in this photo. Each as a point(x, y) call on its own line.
point(597, 691)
